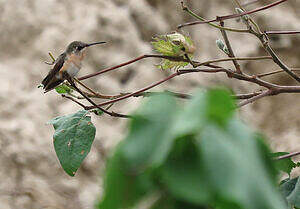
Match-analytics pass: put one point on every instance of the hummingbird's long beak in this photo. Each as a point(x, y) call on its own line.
point(102, 42)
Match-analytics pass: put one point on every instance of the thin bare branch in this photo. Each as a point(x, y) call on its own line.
point(273, 89)
point(188, 10)
point(231, 53)
point(288, 155)
point(172, 58)
point(113, 114)
point(175, 94)
point(73, 100)
point(252, 99)
point(226, 17)
point(276, 59)
point(273, 72)
point(282, 32)
point(232, 59)
point(246, 96)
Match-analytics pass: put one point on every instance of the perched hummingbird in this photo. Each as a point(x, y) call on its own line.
point(67, 65)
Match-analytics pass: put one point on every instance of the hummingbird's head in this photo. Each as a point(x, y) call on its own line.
point(78, 46)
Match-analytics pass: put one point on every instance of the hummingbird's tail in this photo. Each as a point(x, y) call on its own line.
point(49, 84)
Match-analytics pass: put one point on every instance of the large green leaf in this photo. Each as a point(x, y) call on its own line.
point(235, 169)
point(182, 173)
point(122, 188)
point(212, 106)
point(149, 139)
point(129, 172)
point(220, 106)
point(73, 138)
point(167, 202)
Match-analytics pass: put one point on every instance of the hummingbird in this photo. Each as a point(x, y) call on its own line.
point(67, 65)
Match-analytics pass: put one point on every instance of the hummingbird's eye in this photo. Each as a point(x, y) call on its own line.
point(79, 47)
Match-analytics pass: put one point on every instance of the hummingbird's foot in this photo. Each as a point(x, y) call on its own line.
point(49, 63)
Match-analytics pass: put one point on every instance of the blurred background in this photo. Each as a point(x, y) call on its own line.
point(30, 173)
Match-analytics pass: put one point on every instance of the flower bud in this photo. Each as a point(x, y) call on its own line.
point(222, 46)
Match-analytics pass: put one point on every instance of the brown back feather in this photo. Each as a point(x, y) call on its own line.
point(59, 62)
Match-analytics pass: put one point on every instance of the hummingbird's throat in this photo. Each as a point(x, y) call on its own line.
point(82, 54)
point(73, 70)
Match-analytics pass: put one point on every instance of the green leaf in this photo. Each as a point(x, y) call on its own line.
point(286, 165)
point(167, 202)
point(167, 64)
point(245, 18)
point(192, 118)
point(235, 169)
point(220, 106)
point(98, 112)
point(166, 47)
point(174, 44)
point(182, 173)
point(150, 140)
point(291, 190)
point(63, 89)
point(215, 106)
point(164, 202)
point(73, 138)
point(123, 188)
point(222, 46)
point(129, 172)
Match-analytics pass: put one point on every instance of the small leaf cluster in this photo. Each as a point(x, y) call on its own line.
point(63, 89)
point(175, 45)
point(196, 156)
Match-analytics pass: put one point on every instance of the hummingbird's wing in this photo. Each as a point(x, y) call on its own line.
point(50, 81)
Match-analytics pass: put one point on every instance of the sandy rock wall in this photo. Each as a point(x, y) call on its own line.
point(29, 29)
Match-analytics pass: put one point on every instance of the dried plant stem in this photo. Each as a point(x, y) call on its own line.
point(231, 53)
point(226, 17)
point(281, 32)
point(73, 100)
point(273, 72)
point(246, 96)
point(254, 98)
point(173, 58)
point(251, 20)
point(288, 155)
point(273, 89)
point(136, 92)
point(277, 60)
point(268, 88)
point(185, 8)
point(233, 59)
point(113, 114)
point(175, 94)
point(258, 34)
point(96, 94)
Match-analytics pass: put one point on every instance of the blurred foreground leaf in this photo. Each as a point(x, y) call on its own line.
point(150, 137)
point(199, 156)
point(235, 168)
point(122, 189)
point(73, 138)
